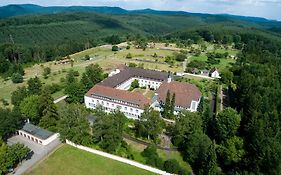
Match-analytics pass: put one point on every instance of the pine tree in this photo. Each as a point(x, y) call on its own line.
point(48, 112)
point(167, 105)
point(172, 106)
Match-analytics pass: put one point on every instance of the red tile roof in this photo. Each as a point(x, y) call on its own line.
point(129, 72)
point(184, 93)
point(99, 91)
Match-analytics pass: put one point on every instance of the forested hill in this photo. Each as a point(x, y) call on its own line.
point(45, 37)
point(31, 9)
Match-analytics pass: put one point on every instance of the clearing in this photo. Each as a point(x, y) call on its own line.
point(68, 160)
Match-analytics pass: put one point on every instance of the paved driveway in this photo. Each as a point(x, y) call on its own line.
point(40, 152)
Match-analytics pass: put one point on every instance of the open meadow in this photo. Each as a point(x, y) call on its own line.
point(108, 60)
point(68, 160)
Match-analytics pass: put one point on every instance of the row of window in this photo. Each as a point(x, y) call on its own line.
point(126, 113)
point(125, 108)
point(114, 100)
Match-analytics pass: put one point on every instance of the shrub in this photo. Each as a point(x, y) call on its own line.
point(172, 166)
point(87, 57)
point(115, 48)
point(133, 65)
point(180, 57)
point(46, 72)
point(5, 102)
point(17, 78)
point(129, 56)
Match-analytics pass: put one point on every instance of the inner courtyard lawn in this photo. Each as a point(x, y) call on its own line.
point(68, 160)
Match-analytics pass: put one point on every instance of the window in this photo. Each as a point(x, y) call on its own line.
point(137, 111)
point(131, 109)
point(125, 108)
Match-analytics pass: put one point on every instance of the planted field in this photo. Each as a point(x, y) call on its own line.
point(68, 160)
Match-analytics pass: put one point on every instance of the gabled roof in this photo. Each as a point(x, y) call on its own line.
point(99, 91)
point(36, 131)
point(213, 70)
point(185, 93)
point(128, 72)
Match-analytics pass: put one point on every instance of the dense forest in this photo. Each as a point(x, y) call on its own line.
point(33, 39)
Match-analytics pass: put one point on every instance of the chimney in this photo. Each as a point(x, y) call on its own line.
point(28, 121)
point(169, 78)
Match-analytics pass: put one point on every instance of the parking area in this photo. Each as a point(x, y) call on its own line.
point(40, 151)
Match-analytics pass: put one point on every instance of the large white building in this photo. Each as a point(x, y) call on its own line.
point(187, 96)
point(132, 104)
point(112, 94)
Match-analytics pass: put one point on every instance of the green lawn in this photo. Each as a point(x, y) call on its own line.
point(68, 160)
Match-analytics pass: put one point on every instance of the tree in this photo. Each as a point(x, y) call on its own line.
point(11, 155)
point(172, 166)
point(75, 92)
point(114, 39)
point(133, 65)
point(115, 48)
point(10, 121)
point(150, 125)
point(29, 107)
point(167, 106)
point(5, 161)
point(152, 157)
point(231, 151)
point(87, 57)
point(48, 112)
point(17, 78)
point(172, 107)
point(73, 124)
point(134, 84)
point(226, 77)
point(227, 123)
point(108, 130)
point(92, 75)
point(18, 95)
point(34, 86)
point(187, 124)
point(71, 77)
point(180, 56)
point(46, 72)
point(18, 152)
point(4, 64)
point(129, 56)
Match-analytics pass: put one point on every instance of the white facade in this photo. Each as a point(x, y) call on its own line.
point(130, 110)
point(193, 107)
point(143, 82)
point(38, 140)
point(215, 74)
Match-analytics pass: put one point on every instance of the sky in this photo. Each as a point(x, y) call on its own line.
point(270, 9)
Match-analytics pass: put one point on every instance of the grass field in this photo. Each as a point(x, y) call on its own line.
point(108, 60)
point(68, 160)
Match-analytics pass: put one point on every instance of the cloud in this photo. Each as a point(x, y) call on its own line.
point(263, 8)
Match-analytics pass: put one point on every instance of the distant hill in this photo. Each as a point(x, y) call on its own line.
point(31, 9)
